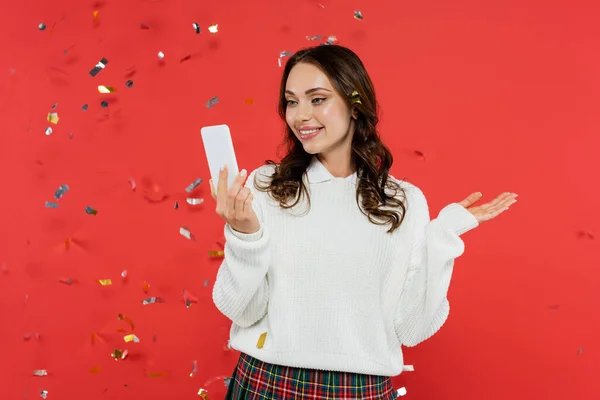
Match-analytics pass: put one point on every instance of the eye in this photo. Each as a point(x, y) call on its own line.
point(318, 100)
point(290, 102)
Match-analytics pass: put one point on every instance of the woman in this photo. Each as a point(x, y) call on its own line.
point(331, 264)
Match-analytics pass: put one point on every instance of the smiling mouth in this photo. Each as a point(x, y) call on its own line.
point(306, 132)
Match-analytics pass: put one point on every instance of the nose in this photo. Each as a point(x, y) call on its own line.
point(304, 112)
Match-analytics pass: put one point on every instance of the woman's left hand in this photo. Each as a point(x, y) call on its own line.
point(490, 210)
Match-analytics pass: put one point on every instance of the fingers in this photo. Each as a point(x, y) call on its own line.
point(221, 195)
point(233, 192)
point(240, 201)
point(212, 190)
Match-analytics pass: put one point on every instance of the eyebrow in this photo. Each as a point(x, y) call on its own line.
point(309, 91)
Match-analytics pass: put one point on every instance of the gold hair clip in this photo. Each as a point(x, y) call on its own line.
point(355, 97)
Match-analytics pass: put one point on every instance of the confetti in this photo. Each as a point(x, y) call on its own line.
point(401, 392)
point(213, 28)
point(104, 104)
point(282, 55)
point(194, 201)
point(196, 27)
point(193, 185)
point(203, 393)
point(90, 210)
point(132, 182)
point(53, 118)
point(48, 131)
point(124, 274)
point(42, 26)
point(311, 38)
point(176, 206)
point(216, 253)
point(95, 369)
point(161, 55)
point(146, 287)
point(131, 338)
point(332, 39)
point(580, 350)
point(105, 282)
point(261, 340)
point(61, 191)
point(212, 102)
point(194, 368)
point(51, 204)
point(99, 67)
point(144, 26)
point(152, 300)
point(95, 15)
point(40, 372)
point(119, 354)
point(124, 318)
point(129, 83)
point(66, 281)
point(185, 232)
point(158, 374)
point(44, 394)
point(408, 368)
point(358, 15)
point(84, 107)
point(249, 101)
point(106, 89)
point(189, 298)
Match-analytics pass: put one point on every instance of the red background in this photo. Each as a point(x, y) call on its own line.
point(498, 97)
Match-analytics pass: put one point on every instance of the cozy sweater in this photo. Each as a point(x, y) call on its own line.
point(322, 287)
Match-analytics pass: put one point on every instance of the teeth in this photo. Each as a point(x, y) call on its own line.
point(308, 132)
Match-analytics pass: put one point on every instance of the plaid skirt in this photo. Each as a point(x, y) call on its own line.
point(253, 379)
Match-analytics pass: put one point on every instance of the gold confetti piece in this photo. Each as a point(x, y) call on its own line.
point(249, 101)
point(96, 15)
point(158, 374)
point(145, 287)
point(119, 354)
point(53, 118)
point(213, 28)
point(95, 369)
point(216, 253)
point(194, 368)
point(358, 15)
point(105, 282)
point(261, 340)
point(203, 394)
point(131, 338)
point(106, 89)
point(40, 372)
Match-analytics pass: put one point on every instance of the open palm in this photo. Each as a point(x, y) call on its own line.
point(490, 210)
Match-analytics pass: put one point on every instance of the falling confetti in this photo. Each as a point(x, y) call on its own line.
point(53, 118)
point(194, 368)
point(261, 340)
point(401, 392)
point(66, 281)
point(131, 338)
point(249, 101)
point(152, 300)
point(185, 232)
point(60, 192)
point(332, 39)
point(146, 287)
point(95, 16)
point(48, 131)
point(42, 26)
point(408, 368)
point(105, 282)
point(216, 253)
point(193, 185)
point(144, 27)
point(106, 89)
point(51, 204)
point(99, 67)
point(44, 394)
point(194, 202)
point(129, 83)
point(95, 369)
point(124, 274)
point(196, 27)
point(119, 354)
point(176, 206)
point(203, 394)
point(358, 15)
point(132, 182)
point(282, 55)
point(311, 38)
point(213, 28)
point(212, 102)
point(161, 55)
point(84, 107)
point(40, 372)
point(90, 210)
point(104, 104)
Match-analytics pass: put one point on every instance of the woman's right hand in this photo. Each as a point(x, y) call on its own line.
point(235, 205)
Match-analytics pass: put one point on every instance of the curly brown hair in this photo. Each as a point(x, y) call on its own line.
point(371, 158)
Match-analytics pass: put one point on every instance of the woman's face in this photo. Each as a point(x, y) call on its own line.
point(316, 112)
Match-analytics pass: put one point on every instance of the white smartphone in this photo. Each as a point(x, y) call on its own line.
point(219, 152)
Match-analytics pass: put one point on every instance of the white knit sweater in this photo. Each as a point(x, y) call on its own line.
point(331, 290)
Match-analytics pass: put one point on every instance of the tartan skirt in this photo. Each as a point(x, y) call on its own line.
point(253, 379)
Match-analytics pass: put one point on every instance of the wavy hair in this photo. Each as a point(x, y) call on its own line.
point(376, 193)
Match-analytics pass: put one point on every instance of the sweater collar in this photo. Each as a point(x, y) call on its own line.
point(317, 173)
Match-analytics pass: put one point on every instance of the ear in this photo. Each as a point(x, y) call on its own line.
point(354, 113)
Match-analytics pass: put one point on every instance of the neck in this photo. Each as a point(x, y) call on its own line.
point(339, 166)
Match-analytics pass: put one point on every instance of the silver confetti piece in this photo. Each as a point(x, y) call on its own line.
point(61, 191)
point(186, 233)
point(90, 210)
point(311, 38)
point(330, 40)
point(152, 300)
point(40, 372)
point(358, 15)
point(196, 27)
point(212, 102)
point(99, 67)
point(48, 131)
point(194, 202)
point(227, 381)
point(176, 206)
point(193, 185)
point(51, 204)
point(282, 55)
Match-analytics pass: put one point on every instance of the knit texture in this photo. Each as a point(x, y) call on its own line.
point(331, 290)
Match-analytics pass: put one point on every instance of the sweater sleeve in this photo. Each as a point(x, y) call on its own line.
point(241, 290)
point(423, 306)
